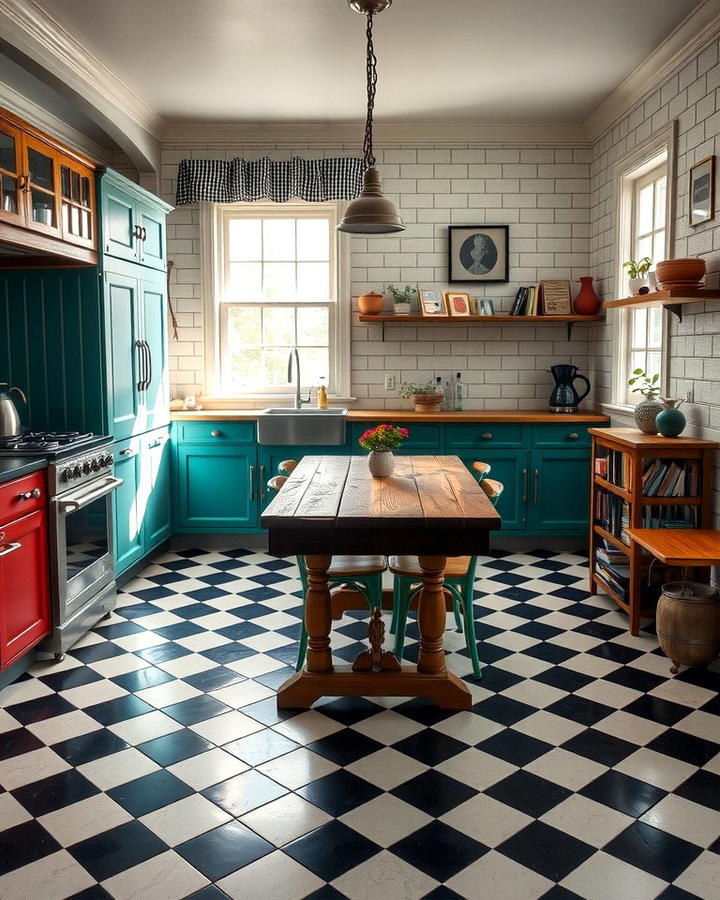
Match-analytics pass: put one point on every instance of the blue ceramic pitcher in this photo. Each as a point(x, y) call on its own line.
point(564, 398)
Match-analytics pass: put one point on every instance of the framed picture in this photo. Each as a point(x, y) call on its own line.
point(432, 303)
point(702, 191)
point(556, 299)
point(487, 307)
point(477, 253)
point(458, 303)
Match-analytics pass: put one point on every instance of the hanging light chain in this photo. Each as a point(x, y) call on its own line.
point(371, 64)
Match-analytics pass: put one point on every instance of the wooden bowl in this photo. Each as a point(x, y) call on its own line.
point(677, 272)
point(370, 304)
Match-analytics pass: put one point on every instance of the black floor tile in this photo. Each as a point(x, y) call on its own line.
point(344, 747)
point(564, 679)
point(196, 709)
point(150, 792)
point(605, 749)
point(657, 710)
point(224, 850)
point(439, 850)
point(52, 793)
point(38, 710)
point(79, 750)
point(213, 679)
point(119, 709)
point(579, 709)
point(627, 795)
point(430, 747)
point(339, 792)
point(530, 794)
point(434, 793)
point(503, 710)
point(150, 676)
point(686, 747)
point(24, 844)
point(654, 851)
point(347, 849)
point(546, 850)
point(116, 850)
point(514, 747)
point(70, 678)
point(18, 741)
point(174, 747)
point(702, 787)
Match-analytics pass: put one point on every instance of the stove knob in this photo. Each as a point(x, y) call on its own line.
point(76, 473)
point(86, 468)
point(95, 465)
point(66, 474)
point(107, 460)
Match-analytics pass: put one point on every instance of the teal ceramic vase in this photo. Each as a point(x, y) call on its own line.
point(670, 422)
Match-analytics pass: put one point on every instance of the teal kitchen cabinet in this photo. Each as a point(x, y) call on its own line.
point(509, 466)
point(133, 224)
point(142, 503)
point(425, 438)
point(269, 458)
point(136, 339)
point(217, 489)
point(559, 491)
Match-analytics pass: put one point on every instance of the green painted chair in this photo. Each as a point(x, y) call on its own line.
point(362, 574)
point(459, 581)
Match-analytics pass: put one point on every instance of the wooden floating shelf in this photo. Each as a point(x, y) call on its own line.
point(416, 319)
point(672, 298)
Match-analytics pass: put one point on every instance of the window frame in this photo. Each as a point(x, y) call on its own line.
point(653, 154)
point(214, 227)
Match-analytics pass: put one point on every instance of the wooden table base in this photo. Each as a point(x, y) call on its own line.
point(304, 688)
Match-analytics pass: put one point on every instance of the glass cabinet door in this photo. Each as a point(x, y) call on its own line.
point(10, 176)
point(41, 188)
point(77, 202)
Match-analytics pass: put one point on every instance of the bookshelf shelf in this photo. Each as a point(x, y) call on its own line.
point(415, 319)
point(672, 298)
point(627, 455)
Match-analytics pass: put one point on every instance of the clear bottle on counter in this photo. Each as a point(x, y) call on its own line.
point(439, 389)
point(449, 403)
point(322, 395)
point(458, 394)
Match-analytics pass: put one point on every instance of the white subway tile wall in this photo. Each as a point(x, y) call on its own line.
point(691, 96)
point(542, 193)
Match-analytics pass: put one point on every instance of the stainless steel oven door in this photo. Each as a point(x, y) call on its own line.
point(84, 544)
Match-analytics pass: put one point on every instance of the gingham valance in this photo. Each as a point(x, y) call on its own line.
point(221, 181)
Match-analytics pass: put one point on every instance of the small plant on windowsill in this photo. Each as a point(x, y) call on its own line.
point(647, 410)
point(424, 396)
point(637, 274)
point(402, 299)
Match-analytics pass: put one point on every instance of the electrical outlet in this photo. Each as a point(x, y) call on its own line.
point(389, 382)
point(689, 397)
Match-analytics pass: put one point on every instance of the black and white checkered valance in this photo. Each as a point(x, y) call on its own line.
point(221, 181)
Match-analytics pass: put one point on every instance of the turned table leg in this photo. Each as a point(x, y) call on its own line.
point(431, 615)
point(318, 620)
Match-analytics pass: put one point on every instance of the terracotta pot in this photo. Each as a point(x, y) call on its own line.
point(427, 403)
point(370, 304)
point(587, 302)
point(677, 272)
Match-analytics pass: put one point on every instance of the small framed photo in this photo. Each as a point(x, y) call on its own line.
point(432, 303)
point(458, 303)
point(702, 191)
point(477, 253)
point(487, 307)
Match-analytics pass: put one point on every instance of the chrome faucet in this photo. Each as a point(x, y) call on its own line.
point(299, 399)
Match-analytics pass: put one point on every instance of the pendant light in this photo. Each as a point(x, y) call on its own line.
point(371, 212)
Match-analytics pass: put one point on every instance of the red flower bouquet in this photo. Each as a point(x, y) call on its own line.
point(383, 437)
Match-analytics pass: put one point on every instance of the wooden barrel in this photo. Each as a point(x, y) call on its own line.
point(688, 623)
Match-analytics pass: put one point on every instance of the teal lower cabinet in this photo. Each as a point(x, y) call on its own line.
point(559, 491)
point(143, 502)
point(425, 438)
point(217, 488)
point(511, 468)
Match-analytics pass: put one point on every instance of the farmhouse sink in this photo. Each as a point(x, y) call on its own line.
point(285, 426)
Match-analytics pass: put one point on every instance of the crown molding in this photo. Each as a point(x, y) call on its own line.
point(334, 134)
point(38, 116)
point(681, 45)
point(26, 26)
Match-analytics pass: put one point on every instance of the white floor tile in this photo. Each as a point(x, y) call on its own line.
point(164, 877)
point(695, 823)
point(11, 812)
point(285, 819)
point(29, 767)
point(169, 692)
point(274, 877)
point(118, 665)
point(631, 728)
point(208, 768)
point(565, 768)
point(64, 727)
point(604, 876)
point(53, 876)
point(387, 727)
point(587, 820)
point(118, 768)
point(298, 768)
point(700, 877)
point(486, 820)
point(242, 693)
point(663, 771)
point(386, 819)
point(95, 692)
point(84, 819)
point(227, 727)
point(546, 726)
point(500, 878)
point(384, 876)
point(185, 819)
point(145, 727)
point(476, 768)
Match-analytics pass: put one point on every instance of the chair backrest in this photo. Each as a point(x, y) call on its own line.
point(493, 489)
point(481, 468)
point(276, 482)
point(287, 466)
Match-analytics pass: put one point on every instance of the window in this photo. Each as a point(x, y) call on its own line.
point(644, 222)
point(645, 338)
point(275, 286)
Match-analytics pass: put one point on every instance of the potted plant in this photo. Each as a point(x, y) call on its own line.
point(636, 274)
point(424, 396)
point(381, 441)
point(647, 410)
point(402, 299)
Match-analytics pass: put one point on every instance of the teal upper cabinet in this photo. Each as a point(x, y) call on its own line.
point(153, 303)
point(133, 222)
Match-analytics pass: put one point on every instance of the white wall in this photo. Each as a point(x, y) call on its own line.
point(543, 193)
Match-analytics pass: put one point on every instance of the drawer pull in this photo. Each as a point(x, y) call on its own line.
point(216, 433)
point(8, 549)
point(252, 482)
point(128, 451)
point(261, 482)
point(34, 494)
point(525, 486)
point(536, 475)
point(573, 436)
point(486, 435)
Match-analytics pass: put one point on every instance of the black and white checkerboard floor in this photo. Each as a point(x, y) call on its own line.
point(152, 762)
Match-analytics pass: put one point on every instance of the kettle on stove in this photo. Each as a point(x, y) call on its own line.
point(564, 397)
point(9, 417)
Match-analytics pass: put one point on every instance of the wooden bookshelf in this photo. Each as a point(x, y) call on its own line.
point(672, 298)
point(636, 449)
point(499, 319)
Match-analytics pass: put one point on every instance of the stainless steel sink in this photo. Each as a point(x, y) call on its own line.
point(285, 427)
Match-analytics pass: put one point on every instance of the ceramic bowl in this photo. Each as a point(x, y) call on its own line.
point(671, 272)
point(370, 304)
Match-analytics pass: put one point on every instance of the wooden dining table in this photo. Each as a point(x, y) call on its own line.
point(431, 507)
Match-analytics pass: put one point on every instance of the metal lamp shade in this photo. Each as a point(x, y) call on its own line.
point(371, 212)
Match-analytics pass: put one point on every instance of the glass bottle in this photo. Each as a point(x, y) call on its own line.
point(322, 395)
point(458, 393)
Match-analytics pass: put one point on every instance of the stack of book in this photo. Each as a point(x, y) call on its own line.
point(613, 467)
point(670, 517)
point(667, 478)
point(613, 514)
point(526, 301)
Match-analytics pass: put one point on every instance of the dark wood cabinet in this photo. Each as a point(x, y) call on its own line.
point(47, 198)
point(24, 587)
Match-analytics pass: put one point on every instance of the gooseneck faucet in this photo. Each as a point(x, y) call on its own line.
point(299, 399)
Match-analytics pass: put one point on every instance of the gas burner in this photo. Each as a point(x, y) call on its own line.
point(44, 440)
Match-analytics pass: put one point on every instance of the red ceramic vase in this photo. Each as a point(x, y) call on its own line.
point(587, 302)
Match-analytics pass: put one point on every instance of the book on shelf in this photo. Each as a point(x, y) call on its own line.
point(671, 478)
point(613, 468)
point(670, 516)
point(519, 303)
point(613, 515)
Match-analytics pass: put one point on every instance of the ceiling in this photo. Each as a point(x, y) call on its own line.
point(479, 61)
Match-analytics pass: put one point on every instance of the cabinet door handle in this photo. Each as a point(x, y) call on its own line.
point(148, 352)
point(252, 482)
point(137, 233)
point(525, 486)
point(34, 494)
point(128, 451)
point(143, 236)
point(141, 365)
point(536, 476)
point(261, 482)
point(573, 436)
point(22, 182)
point(486, 435)
point(8, 549)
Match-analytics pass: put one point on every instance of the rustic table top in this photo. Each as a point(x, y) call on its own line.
point(431, 504)
point(680, 546)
